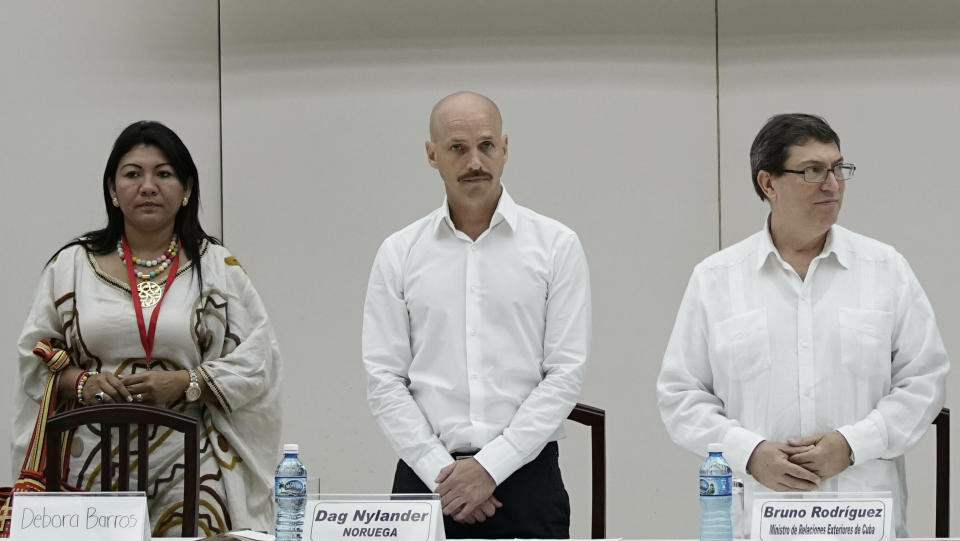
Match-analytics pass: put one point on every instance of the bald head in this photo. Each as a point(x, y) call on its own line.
point(462, 103)
point(469, 150)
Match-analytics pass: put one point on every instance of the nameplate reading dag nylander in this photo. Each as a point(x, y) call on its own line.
point(405, 517)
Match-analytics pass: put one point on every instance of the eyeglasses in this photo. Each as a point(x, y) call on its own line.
point(816, 174)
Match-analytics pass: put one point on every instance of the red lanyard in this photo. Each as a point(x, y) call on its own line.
point(146, 338)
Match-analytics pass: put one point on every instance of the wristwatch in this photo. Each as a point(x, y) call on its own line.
point(193, 390)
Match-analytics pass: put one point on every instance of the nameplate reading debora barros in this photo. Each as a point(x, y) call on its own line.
point(80, 517)
point(406, 520)
point(844, 518)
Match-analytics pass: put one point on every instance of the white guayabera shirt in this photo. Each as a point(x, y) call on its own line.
point(476, 344)
point(758, 354)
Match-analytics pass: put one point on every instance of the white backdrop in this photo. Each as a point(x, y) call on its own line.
point(591, 144)
point(611, 107)
point(886, 75)
point(74, 74)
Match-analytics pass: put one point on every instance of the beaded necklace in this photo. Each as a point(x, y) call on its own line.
point(161, 262)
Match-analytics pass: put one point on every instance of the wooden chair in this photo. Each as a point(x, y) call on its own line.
point(594, 418)
point(942, 422)
point(122, 416)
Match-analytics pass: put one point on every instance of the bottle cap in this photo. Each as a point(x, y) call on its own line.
point(291, 448)
point(715, 448)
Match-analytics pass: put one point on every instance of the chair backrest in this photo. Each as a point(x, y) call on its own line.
point(122, 416)
point(594, 418)
point(942, 423)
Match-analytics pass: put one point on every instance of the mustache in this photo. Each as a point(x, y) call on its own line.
point(478, 173)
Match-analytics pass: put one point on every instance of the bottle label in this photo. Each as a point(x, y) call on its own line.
point(714, 485)
point(290, 486)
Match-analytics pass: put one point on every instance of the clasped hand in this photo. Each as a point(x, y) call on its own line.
point(466, 491)
point(159, 387)
point(799, 465)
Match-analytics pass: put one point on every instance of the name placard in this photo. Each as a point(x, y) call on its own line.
point(847, 517)
point(374, 517)
point(80, 517)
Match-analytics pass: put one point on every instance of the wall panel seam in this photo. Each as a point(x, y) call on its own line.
point(716, 82)
point(223, 233)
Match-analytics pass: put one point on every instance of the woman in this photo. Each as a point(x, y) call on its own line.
point(193, 337)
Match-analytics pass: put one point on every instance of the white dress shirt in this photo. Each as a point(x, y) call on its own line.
point(476, 344)
point(757, 353)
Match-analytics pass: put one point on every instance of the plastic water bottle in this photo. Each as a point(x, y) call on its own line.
point(291, 494)
point(715, 474)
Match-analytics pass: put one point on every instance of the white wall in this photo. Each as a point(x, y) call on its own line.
point(611, 110)
point(886, 75)
point(74, 74)
point(325, 116)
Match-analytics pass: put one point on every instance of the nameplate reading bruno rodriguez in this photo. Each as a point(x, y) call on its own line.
point(845, 517)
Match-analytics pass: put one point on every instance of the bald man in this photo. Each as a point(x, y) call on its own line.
point(476, 333)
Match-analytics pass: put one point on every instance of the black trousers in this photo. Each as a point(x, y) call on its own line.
point(535, 502)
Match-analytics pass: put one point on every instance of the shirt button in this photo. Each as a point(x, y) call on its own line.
point(473, 332)
point(473, 247)
point(474, 376)
point(803, 345)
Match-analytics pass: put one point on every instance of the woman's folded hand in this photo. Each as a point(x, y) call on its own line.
point(160, 387)
point(105, 388)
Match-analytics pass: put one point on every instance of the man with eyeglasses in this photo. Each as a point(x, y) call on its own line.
point(809, 351)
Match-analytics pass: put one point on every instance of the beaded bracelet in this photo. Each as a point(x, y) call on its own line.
point(81, 381)
point(82, 375)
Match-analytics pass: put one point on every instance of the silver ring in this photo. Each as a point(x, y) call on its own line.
point(99, 396)
point(138, 397)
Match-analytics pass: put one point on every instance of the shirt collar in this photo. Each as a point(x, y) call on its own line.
point(835, 244)
point(506, 211)
point(766, 247)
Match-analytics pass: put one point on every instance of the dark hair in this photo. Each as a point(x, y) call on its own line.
point(771, 146)
point(187, 222)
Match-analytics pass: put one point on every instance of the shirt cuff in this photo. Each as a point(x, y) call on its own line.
point(499, 458)
point(738, 445)
point(429, 466)
point(865, 439)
